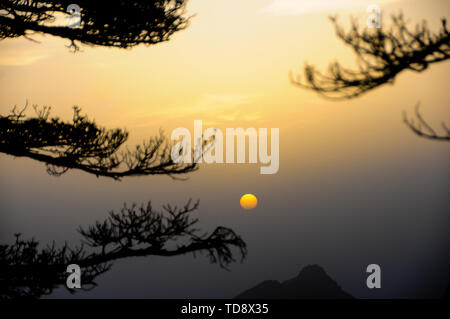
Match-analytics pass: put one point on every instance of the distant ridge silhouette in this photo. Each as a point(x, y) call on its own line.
point(311, 283)
point(447, 293)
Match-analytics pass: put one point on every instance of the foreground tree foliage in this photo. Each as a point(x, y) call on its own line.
point(83, 145)
point(112, 23)
point(381, 55)
point(26, 271)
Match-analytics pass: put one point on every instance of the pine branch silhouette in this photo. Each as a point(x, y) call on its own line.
point(26, 271)
point(421, 128)
point(112, 23)
point(83, 145)
point(382, 54)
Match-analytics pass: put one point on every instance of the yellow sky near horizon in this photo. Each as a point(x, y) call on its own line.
point(230, 69)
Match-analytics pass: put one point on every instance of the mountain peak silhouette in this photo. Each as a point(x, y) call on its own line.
point(311, 283)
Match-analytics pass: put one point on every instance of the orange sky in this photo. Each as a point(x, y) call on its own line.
point(230, 69)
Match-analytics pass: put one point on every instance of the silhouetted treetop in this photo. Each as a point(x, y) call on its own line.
point(112, 23)
point(381, 55)
point(27, 271)
point(83, 145)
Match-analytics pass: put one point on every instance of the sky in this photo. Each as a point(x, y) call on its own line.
point(354, 187)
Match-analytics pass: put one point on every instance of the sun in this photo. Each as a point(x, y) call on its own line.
point(248, 201)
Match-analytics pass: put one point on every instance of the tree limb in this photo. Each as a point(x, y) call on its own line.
point(26, 271)
point(381, 55)
point(83, 145)
point(112, 23)
point(423, 129)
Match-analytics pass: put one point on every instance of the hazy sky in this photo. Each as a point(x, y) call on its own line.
point(355, 186)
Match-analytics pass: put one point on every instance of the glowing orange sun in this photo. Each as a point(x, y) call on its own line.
point(248, 201)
